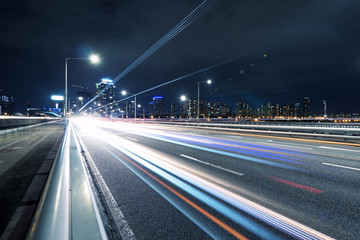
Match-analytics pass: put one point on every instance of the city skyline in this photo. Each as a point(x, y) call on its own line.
point(276, 52)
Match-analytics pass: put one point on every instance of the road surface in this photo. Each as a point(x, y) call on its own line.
point(186, 183)
point(26, 157)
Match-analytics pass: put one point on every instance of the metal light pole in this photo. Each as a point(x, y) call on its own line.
point(93, 59)
point(198, 100)
point(135, 108)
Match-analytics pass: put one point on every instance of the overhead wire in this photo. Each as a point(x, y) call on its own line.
point(169, 82)
point(185, 22)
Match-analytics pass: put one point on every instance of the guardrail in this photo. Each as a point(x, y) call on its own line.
point(67, 208)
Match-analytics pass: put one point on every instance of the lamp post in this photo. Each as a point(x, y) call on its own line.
point(198, 100)
point(93, 59)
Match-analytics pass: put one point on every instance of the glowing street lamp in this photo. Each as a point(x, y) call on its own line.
point(183, 98)
point(124, 93)
point(94, 59)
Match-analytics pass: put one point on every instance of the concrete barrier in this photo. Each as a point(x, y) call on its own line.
point(17, 122)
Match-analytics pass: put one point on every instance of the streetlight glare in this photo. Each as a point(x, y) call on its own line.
point(123, 92)
point(209, 81)
point(80, 98)
point(94, 59)
point(183, 98)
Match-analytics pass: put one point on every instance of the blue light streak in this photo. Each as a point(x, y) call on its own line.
point(242, 220)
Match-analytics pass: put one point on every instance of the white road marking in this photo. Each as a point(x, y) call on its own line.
point(330, 164)
point(133, 139)
point(212, 165)
point(341, 149)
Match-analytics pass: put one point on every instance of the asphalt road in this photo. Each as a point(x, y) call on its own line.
point(26, 158)
point(184, 183)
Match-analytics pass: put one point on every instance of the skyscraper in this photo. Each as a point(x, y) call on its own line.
point(109, 95)
point(158, 106)
point(306, 107)
point(6, 104)
point(173, 109)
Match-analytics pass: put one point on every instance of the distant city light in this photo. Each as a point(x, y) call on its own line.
point(209, 81)
point(80, 98)
point(106, 80)
point(157, 97)
point(123, 92)
point(183, 98)
point(57, 97)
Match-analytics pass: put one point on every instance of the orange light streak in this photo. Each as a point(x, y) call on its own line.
point(191, 203)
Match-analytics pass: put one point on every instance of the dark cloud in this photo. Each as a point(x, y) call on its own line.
point(286, 49)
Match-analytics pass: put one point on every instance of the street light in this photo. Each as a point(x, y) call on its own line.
point(183, 98)
point(93, 59)
point(198, 100)
point(124, 93)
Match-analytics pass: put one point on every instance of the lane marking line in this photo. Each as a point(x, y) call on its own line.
point(335, 165)
point(133, 139)
point(341, 149)
point(212, 165)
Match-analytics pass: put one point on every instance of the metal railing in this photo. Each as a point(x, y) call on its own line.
point(67, 208)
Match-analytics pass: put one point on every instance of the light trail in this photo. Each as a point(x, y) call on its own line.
point(190, 18)
point(169, 82)
point(193, 183)
point(191, 203)
point(297, 185)
point(295, 139)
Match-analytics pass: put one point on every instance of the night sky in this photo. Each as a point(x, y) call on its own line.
point(284, 50)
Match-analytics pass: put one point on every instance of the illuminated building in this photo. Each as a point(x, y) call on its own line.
point(173, 109)
point(157, 107)
point(306, 107)
point(108, 96)
point(6, 104)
